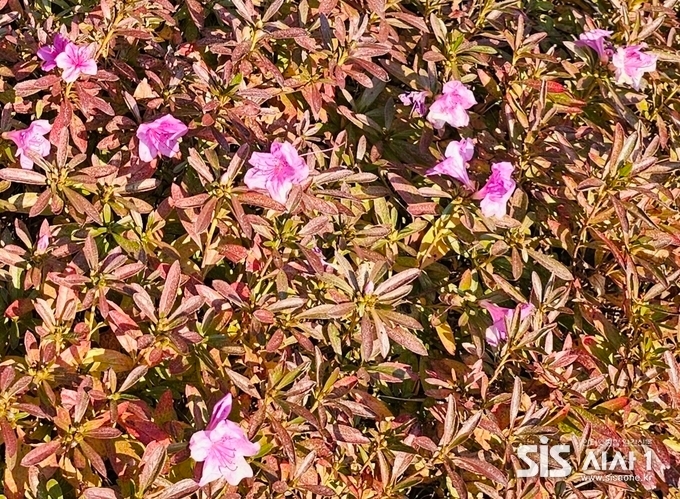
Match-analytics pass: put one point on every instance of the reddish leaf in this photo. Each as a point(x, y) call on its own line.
point(257, 199)
point(482, 468)
point(407, 340)
point(82, 205)
point(99, 493)
point(152, 462)
point(30, 87)
point(23, 176)
point(40, 453)
point(170, 289)
point(180, 490)
point(348, 434)
point(284, 439)
point(9, 437)
point(61, 122)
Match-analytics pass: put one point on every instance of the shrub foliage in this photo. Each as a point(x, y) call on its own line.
point(349, 323)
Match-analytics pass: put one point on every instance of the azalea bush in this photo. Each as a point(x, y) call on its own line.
point(338, 248)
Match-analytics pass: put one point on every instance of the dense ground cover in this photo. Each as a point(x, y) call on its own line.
point(338, 248)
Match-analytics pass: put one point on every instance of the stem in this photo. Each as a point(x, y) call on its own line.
point(109, 34)
point(498, 369)
point(322, 150)
point(591, 215)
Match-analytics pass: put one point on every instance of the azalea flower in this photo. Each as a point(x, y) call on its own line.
point(49, 53)
point(457, 155)
point(631, 64)
point(501, 316)
point(75, 60)
point(277, 171)
point(417, 99)
point(497, 191)
point(32, 140)
point(596, 39)
point(160, 137)
point(451, 107)
point(221, 448)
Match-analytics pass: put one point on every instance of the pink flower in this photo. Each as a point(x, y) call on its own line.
point(49, 53)
point(277, 171)
point(75, 60)
point(501, 316)
point(31, 140)
point(631, 63)
point(457, 154)
point(417, 99)
point(160, 137)
point(451, 106)
point(221, 448)
point(595, 39)
point(497, 191)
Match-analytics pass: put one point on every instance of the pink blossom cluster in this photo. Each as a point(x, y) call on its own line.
point(457, 155)
point(157, 138)
point(451, 108)
point(72, 59)
point(31, 142)
point(497, 191)
point(415, 99)
point(501, 317)
point(223, 445)
point(630, 62)
point(160, 137)
point(222, 448)
point(277, 171)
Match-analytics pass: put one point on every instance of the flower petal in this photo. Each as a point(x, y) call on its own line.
point(41, 126)
point(147, 151)
point(89, 67)
point(200, 445)
point(211, 470)
point(279, 188)
point(263, 160)
point(458, 117)
point(220, 411)
point(26, 162)
point(241, 469)
point(70, 74)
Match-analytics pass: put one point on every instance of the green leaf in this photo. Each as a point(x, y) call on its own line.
point(54, 490)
